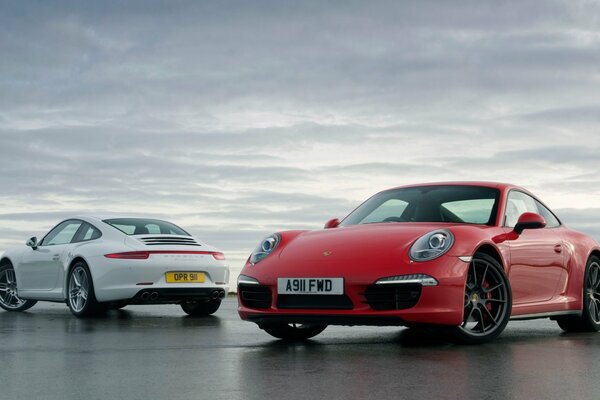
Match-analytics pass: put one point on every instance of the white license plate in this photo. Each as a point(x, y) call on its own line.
point(310, 286)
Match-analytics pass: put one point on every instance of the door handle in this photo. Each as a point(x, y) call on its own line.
point(558, 248)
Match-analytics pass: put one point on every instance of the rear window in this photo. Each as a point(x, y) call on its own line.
point(143, 226)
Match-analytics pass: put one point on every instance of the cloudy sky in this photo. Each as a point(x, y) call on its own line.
point(236, 118)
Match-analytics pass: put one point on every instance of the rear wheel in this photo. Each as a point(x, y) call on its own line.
point(589, 321)
point(81, 298)
point(293, 332)
point(198, 309)
point(9, 300)
point(488, 301)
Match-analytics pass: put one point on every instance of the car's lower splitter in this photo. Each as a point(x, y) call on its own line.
point(346, 320)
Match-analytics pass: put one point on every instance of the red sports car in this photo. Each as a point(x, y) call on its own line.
point(464, 257)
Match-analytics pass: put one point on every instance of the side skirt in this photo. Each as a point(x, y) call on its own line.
point(550, 315)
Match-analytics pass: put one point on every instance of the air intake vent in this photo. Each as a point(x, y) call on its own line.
point(255, 296)
point(169, 241)
point(393, 297)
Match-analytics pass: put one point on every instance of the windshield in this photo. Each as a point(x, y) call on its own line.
point(142, 226)
point(454, 204)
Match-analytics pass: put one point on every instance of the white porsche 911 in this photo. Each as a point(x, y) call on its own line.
point(95, 263)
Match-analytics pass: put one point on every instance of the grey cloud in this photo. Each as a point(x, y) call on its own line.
point(550, 156)
point(573, 115)
point(243, 118)
point(584, 220)
point(327, 52)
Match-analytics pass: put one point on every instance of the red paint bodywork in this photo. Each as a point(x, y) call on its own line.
point(545, 266)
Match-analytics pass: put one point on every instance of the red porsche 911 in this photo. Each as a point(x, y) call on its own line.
point(461, 257)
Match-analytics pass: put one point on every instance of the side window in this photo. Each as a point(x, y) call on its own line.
point(517, 204)
point(86, 233)
point(551, 220)
point(62, 234)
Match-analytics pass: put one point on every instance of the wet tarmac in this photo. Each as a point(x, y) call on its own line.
point(156, 352)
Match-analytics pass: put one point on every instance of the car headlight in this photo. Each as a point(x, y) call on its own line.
point(265, 248)
point(432, 245)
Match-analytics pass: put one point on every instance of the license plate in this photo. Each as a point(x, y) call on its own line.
point(185, 277)
point(310, 286)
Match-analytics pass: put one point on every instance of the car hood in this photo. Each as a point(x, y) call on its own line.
point(357, 242)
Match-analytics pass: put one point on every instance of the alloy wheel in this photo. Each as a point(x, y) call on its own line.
point(486, 298)
point(78, 289)
point(8, 289)
point(592, 291)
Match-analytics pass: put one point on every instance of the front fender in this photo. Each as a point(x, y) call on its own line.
point(470, 239)
point(13, 256)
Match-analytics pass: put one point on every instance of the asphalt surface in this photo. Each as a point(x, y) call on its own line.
point(157, 352)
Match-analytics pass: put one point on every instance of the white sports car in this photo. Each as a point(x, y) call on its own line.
point(95, 263)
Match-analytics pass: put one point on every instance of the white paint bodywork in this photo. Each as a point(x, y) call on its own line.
point(41, 273)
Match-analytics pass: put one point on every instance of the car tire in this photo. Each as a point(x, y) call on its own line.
point(81, 298)
point(589, 320)
point(488, 301)
point(293, 332)
point(9, 300)
point(200, 309)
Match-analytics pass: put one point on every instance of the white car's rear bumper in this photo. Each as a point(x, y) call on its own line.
point(123, 279)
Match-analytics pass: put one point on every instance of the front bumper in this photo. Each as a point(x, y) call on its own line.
point(363, 302)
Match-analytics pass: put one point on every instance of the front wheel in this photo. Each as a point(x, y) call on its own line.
point(9, 300)
point(81, 298)
point(487, 301)
point(198, 309)
point(293, 332)
point(589, 321)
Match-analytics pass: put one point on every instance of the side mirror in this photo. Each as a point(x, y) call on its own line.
point(332, 223)
point(529, 220)
point(33, 243)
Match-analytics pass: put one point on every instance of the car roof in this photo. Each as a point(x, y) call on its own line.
point(497, 185)
point(102, 217)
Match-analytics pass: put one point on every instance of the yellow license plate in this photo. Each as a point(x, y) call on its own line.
point(185, 277)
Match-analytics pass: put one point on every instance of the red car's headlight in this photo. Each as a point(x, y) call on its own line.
point(265, 248)
point(432, 245)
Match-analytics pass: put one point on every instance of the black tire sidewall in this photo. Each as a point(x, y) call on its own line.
point(287, 332)
point(199, 309)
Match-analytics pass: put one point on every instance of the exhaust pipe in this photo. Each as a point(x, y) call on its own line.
point(222, 295)
point(214, 295)
point(154, 296)
point(145, 296)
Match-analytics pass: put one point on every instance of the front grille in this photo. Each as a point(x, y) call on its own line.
point(255, 296)
point(314, 302)
point(393, 297)
point(169, 241)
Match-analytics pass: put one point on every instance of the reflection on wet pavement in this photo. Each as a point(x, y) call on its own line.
point(158, 352)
